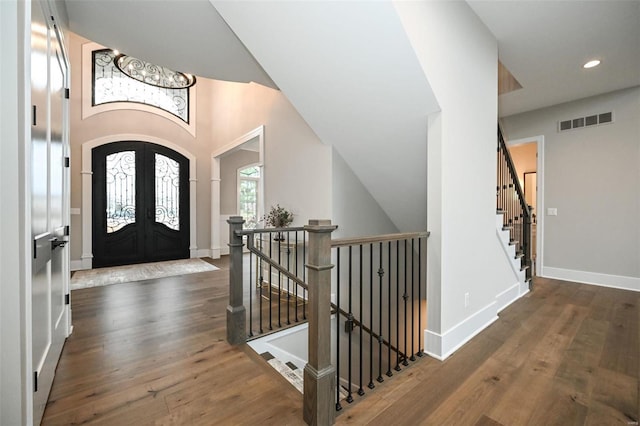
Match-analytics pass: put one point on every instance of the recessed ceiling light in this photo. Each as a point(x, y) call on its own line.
point(591, 64)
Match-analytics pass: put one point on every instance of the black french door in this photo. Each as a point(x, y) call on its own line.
point(140, 204)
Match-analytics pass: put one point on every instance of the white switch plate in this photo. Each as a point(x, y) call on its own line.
point(552, 211)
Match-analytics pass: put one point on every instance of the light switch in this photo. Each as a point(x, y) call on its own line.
point(552, 211)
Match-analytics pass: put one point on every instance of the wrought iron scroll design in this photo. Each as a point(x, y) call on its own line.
point(110, 84)
point(167, 187)
point(121, 190)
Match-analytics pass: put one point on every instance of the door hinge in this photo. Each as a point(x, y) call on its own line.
point(66, 93)
point(67, 161)
point(35, 381)
point(33, 115)
point(66, 230)
point(67, 299)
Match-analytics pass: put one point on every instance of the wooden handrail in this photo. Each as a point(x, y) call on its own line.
point(268, 230)
point(275, 264)
point(513, 173)
point(344, 242)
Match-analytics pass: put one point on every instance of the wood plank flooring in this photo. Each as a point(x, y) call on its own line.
point(564, 354)
point(154, 352)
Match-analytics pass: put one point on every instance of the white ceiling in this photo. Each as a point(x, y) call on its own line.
point(542, 43)
point(545, 43)
point(184, 35)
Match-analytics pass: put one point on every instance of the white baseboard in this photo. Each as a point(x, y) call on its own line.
point(604, 280)
point(508, 296)
point(441, 346)
point(201, 253)
point(76, 265)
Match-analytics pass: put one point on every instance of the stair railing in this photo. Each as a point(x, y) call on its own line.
point(273, 283)
point(511, 203)
point(378, 315)
point(380, 295)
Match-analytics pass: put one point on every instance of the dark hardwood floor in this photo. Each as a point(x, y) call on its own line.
point(154, 352)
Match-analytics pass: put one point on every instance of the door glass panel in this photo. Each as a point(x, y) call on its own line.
point(167, 192)
point(121, 190)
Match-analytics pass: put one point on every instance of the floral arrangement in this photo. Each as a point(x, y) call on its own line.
point(278, 217)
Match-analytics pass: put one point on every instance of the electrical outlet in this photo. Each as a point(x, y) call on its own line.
point(552, 211)
point(466, 300)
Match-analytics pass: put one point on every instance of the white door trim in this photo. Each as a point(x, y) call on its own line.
point(216, 228)
point(539, 140)
point(87, 192)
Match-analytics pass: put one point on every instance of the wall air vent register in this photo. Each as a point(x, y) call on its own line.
point(588, 121)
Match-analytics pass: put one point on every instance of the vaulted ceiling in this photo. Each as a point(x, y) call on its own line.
point(543, 44)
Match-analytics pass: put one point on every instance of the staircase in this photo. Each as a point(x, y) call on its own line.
point(513, 217)
point(515, 257)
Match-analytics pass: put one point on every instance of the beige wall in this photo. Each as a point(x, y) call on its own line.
point(136, 122)
point(297, 165)
point(225, 111)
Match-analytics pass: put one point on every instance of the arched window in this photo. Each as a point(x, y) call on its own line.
point(122, 78)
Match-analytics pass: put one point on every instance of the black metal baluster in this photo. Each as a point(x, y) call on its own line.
point(279, 237)
point(380, 338)
point(420, 351)
point(413, 299)
point(250, 290)
point(296, 270)
point(270, 284)
point(349, 324)
point(370, 385)
point(304, 274)
point(338, 405)
point(360, 389)
point(389, 372)
point(288, 279)
point(261, 282)
point(397, 368)
point(405, 297)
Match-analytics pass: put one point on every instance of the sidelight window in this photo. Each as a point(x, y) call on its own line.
point(248, 195)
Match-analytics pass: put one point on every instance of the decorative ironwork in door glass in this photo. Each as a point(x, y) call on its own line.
point(121, 190)
point(167, 185)
point(248, 195)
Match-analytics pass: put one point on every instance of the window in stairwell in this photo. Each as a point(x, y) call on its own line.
point(248, 194)
point(122, 78)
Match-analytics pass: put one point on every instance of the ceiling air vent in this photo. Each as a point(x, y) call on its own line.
point(588, 121)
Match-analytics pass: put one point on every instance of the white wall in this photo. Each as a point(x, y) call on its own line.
point(592, 176)
point(459, 57)
point(355, 211)
point(350, 71)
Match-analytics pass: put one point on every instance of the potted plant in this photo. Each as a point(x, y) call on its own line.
point(278, 217)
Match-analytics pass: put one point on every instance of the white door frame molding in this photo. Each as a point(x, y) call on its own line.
point(87, 191)
point(216, 229)
point(539, 140)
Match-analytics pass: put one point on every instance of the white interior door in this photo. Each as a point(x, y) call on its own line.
point(49, 206)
